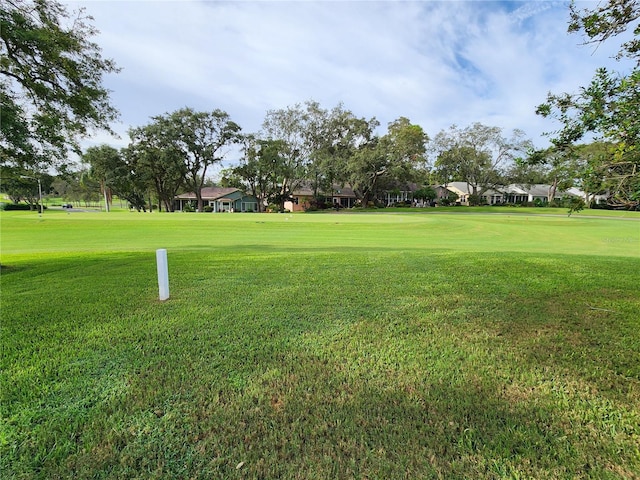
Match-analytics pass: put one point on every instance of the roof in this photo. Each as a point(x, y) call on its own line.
point(208, 193)
point(515, 189)
point(461, 187)
point(305, 190)
point(538, 190)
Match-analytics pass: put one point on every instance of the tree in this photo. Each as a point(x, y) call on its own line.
point(151, 155)
point(561, 166)
point(20, 185)
point(105, 161)
point(478, 155)
point(332, 137)
point(607, 20)
point(131, 183)
point(608, 106)
point(200, 137)
point(117, 175)
point(262, 171)
point(393, 156)
point(51, 91)
point(525, 172)
point(315, 144)
point(426, 193)
point(290, 127)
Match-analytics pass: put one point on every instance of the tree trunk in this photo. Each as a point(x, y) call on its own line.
point(199, 200)
point(104, 194)
point(552, 190)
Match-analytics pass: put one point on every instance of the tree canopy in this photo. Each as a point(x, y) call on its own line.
point(51, 82)
point(478, 155)
point(607, 107)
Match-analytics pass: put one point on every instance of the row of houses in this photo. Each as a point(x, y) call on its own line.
point(519, 194)
point(223, 199)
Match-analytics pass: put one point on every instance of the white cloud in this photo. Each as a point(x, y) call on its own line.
point(437, 63)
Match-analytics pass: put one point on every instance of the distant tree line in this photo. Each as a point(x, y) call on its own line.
point(52, 96)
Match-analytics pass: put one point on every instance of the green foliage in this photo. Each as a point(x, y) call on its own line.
point(116, 174)
point(475, 200)
point(425, 193)
point(575, 205)
point(154, 160)
point(51, 91)
point(478, 155)
point(450, 199)
point(200, 138)
point(608, 106)
point(396, 156)
point(608, 19)
point(20, 206)
point(262, 171)
point(23, 185)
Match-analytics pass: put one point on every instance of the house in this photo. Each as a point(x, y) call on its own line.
point(302, 197)
point(402, 193)
point(221, 199)
point(588, 198)
point(515, 194)
point(490, 197)
point(512, 193)
point(541, 193)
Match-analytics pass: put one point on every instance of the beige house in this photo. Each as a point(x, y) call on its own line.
point(302, 196)
point(505, 193)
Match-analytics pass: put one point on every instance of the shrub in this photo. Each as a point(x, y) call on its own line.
point(22, 206)
point(207, 209)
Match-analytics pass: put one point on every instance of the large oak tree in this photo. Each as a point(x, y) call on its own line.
point(51, 83)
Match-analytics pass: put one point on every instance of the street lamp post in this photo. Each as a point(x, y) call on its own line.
point(39, 192)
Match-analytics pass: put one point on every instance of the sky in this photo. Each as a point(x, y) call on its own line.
point(436, 63)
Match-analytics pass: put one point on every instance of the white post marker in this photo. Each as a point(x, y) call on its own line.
point(163, 273)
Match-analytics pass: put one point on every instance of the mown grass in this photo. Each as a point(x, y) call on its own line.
point(320, 346)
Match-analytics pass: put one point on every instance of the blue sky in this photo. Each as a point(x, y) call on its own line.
point(437, 63)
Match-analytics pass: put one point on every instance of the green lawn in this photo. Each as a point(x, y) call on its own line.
point(339, 345)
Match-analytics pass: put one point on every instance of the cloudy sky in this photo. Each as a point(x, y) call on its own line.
point(437, 63)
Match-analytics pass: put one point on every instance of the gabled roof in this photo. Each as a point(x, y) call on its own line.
point(515, 189)
point(209, 193)
point(458, 187)
point(540, 191)
point(462, 188)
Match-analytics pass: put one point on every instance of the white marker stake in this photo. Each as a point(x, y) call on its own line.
point(163, 273)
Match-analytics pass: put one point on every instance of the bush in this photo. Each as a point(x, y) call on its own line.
point(274, 208)
point(21, 206)
point(207, 209)
point(475, 200)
